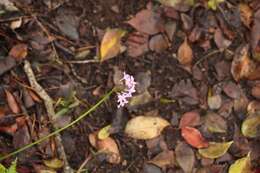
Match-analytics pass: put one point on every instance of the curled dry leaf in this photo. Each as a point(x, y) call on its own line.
point(215, 150)
point(241, 166)
point(190, 119)
point(147, 21)
point(158, 43)
point(185, 54)
point(12, 103)
point(246, 14)
point(108, 146)
point(185, 157)
point(251, 126)
point(19, 51)
point(215, 123)
point(111, 44)
point(193, 137)
point(242, 67)
point(145, 127)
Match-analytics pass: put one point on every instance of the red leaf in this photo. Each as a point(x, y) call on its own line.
point(189, 119)
point(193, 137)
point(12, 103)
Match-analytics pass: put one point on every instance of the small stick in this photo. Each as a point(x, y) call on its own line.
point(50, 111)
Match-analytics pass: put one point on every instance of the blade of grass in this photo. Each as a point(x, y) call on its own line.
point(84, 114)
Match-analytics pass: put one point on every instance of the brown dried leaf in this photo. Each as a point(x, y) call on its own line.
point(185, 157)
point(19, 51)
point(108, 146)
point(255, 34)
point(137, 44)
point(215, 123)
point(242, 67)
point(246, 14)
point(158, 43)
point(147, 21)
point(220, 40)
point(193, 137)
point(163, 159)
point(232, 90)
point(185, 53)
point(190, 119)
point(12, 103)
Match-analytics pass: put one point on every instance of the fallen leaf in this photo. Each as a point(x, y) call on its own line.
point(187, 22)
point(213, 4)
point(215, 150)
point(147, 21)
point(16, 24)
point(111, 44)
point(177, 3)
point(185, 157)
point(241, 166)
point(251, 126)
point(12, 103)
point(220, 40)
point(145, 127)
point(253, 107)
point(190, 119)
point(107, 146)
point(232, 90)
point(170, 29)
point(140, 99)
point(256, 91)
point(242, 66)
point(104, 132)
point(185, 53)
point(158, 43)
point(54, 163)
point(214, 101)
point(215, 123)
point(137, 44)
point(246, 14)
point(255, 35)
point(163, 159)
point(6, 64)
point(143, 80)
point(151, 168)
point(193, 137)
point(19, 51)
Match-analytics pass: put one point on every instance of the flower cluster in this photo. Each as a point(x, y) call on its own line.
point(127, 92)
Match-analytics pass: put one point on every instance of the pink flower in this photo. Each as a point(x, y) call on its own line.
point(127, 92)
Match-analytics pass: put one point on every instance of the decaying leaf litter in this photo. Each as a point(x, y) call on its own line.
point(195, 107)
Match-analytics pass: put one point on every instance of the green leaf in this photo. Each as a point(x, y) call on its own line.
point(2, 168)
point(241, 166)
point(12, 168)
point(251, 126)
point(215, 150)
point(53, 163)
point(104, 132)
point(213, 4)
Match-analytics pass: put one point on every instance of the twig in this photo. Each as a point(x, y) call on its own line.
point(50, 111)
point(83, 164)
point(207, 56)
point(83, 61)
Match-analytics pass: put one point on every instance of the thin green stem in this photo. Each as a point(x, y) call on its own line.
point(61, 129)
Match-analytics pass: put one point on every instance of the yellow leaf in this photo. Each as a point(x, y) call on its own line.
point(111, 43)
point(251, 126)
point(104, 132)
point(53, 163)
point(215, 150)
point(241, 166)
point(213, 4)
point(145, 127)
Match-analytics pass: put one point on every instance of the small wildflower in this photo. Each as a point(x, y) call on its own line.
point(127, 92)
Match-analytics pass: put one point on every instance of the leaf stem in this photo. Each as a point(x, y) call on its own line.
point(84, 114)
